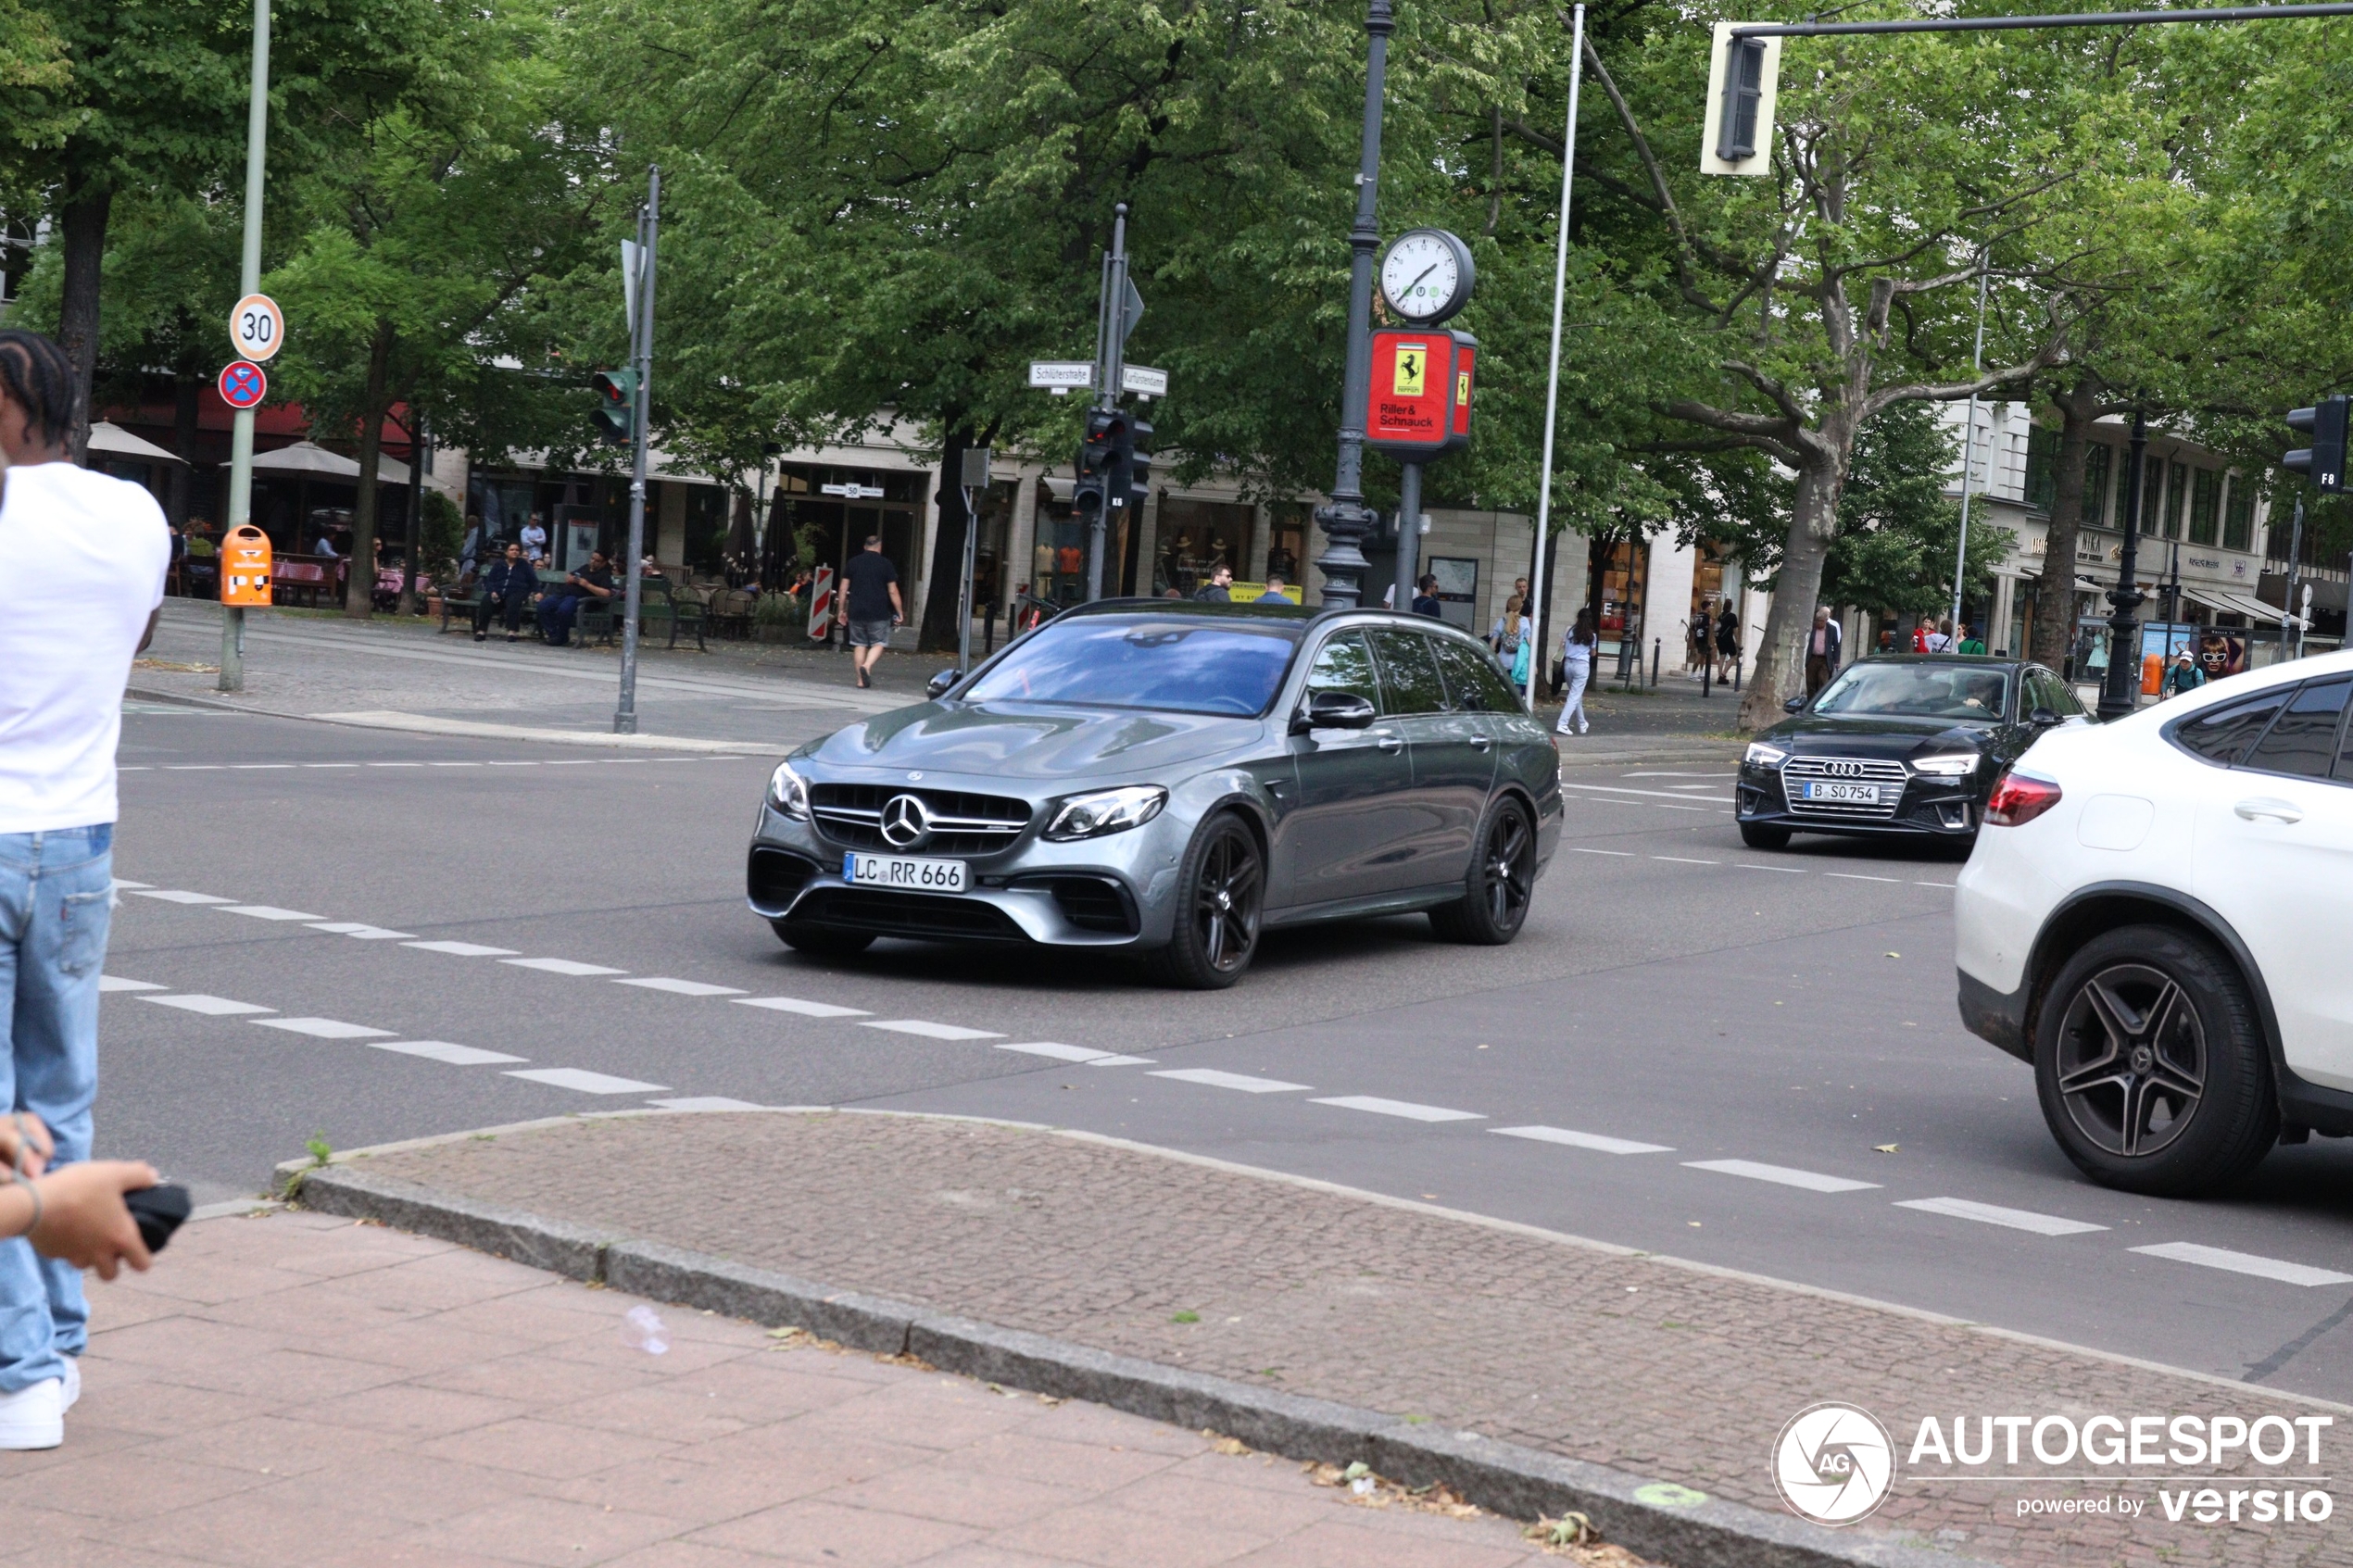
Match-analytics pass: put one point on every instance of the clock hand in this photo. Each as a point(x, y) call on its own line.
point(1425, 272)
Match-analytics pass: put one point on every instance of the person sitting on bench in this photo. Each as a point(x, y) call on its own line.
point(561, 609)
point(505, 588)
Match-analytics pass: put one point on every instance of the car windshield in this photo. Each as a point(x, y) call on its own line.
point(1173, 664)
point(1917, 690)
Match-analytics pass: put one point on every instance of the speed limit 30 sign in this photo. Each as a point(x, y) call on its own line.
point(256, 328)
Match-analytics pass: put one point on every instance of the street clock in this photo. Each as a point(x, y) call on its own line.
point(1426, 276)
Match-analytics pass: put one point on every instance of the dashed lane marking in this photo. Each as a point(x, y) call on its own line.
point(362, 931)
point(1594, 1141)
point(1858, 876)
point(562, 966)
point(683, 987)
point(1060, 1052)
point(930, 1031)
point(266, 911)
point(108, 982)
point(178, 895)
point(462, 950)
point(706, 1102)
point(1761, 866)
point(1686, 860)
point(322, 1028)
point(211, 1007)
point(133, 885)
point(2244, 1263)
point(1217, 1079)
point(1993, 1214)
point(794, 1004)
point(1399, 1107)
point(256, 767)
point(1812, 1181)
point(444, 1051)
point(1621, 854)
point(585, 1081)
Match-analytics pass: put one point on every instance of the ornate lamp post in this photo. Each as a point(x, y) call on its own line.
point(1347, 521)
point(2119, 693)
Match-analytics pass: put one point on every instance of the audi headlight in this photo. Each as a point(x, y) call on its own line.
point(1108, 811)
point(1762, 755)
point(789, 792)
point(1949, 765)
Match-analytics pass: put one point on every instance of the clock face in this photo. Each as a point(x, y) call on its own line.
point(1424, 277)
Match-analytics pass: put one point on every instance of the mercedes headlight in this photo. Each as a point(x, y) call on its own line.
point(1108, 811)
point(1949, 765)
point(1762, 755)
point(789, 792)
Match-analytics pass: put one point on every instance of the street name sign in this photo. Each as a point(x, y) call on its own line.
point(1060, 377)
point(853, 492)
point(1143, 380)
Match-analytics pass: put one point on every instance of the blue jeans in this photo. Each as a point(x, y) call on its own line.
point(56, 893)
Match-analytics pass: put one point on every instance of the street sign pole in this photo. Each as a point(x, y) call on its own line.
point(232, 617)
point(1536, 591)
point(641, 351)
point(1114, 322)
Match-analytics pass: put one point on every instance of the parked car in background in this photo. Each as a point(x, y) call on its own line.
point(2155, 918)
point(1173, 779)
point(1906, 744)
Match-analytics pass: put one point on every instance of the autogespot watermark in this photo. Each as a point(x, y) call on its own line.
point(1835, 1463)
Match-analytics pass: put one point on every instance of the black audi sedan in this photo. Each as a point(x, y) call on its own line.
point(1906, 744)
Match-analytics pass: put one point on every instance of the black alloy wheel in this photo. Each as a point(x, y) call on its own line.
point(2151, 1065)
point(1224, 881)
point(1502, 880)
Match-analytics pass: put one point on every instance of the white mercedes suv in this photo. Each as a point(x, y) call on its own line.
point(2158, 916)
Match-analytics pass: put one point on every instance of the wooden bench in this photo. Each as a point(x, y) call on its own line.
point(657, 605)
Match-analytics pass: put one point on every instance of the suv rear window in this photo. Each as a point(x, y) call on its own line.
point(2303, 741)
point(2224, 733)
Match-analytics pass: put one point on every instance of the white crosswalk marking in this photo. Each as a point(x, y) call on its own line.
point(1060, 1052)
point(462, 950)
point(585, 1081)
point(322, 1028)
point(1594, 1141)
point(110, 983)
point(443, 1050)
point(931, 1031)
point(2244, 1263)
point(684, 987)
point(794, 1004)
point(211, 1007)
point(362, 931)
point(266, 911)
point(1993, 1214)
point(1217, 1079)
point(562, 966)
point(178, 896)
point(1812, 1181)
point(1402, 1107)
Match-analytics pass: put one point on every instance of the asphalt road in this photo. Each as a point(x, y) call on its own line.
point(1749, 1059)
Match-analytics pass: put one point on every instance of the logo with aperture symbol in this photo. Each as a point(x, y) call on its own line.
point(904, 821)
point(1832, 1463)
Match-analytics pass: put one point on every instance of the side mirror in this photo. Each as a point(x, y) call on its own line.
point(2041, 718)
point(1793, 704)
point(937, 686)
point(1334, 711)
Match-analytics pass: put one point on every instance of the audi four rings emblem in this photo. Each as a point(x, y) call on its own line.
point(1843, 770)
point(904, 821)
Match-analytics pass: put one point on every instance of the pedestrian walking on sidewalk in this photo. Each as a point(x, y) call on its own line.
point(1728, 640)
point(1219, 588)
point(1275, 592)
point(83, 559)
point(1821, 650)
point(506, 588)
point(872, 606)
point(1427, 602)
point(1577, 670)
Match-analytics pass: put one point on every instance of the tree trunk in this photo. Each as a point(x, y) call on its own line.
point(83, 220)
point(181, 489)
point(944, 591)
point(359, 594)
point(2053, 632)
point(1813, 523)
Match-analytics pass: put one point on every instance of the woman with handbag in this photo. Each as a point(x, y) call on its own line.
point(1577, 659)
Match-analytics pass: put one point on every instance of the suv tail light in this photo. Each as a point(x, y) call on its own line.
point(2019, 799)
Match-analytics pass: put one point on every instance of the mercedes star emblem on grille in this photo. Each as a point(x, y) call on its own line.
point(904, 821)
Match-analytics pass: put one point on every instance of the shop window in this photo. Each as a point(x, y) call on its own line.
point(2177, 498)
point(2042, 467)
point(2099, 465)
point(2238, 516)
point(2152, 494)
point(2205, 498)
point(1195, 538)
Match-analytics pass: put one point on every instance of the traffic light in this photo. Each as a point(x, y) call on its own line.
point(1098, 458)
point(1133, 466)
point(2324, 459)
point(616, 406)
point(1739, 116)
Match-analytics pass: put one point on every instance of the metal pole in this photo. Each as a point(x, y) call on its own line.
point(2076, 19)
point(1111, 357)
point(1553, 375)
point(1409, 535)
point(2118, 692)
point(2295, 560)
point(1968, 447)
point(624, 718)
point(233, 616)
point(1346, 520)
point(964, 589)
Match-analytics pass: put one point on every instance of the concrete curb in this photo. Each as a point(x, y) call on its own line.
point(1505, 1477)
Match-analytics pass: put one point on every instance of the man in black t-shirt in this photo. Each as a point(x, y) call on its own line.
point(870, 606)
point(561, 609)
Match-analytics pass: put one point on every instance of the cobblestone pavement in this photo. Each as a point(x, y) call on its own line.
point(297, 1390)
point(1665, 1371)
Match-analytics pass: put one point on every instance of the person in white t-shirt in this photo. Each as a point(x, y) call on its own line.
point(82, 568)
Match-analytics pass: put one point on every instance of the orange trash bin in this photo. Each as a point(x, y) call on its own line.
point(2152, 673)
point(244, 566)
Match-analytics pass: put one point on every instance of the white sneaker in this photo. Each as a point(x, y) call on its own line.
point(72, 1390)
point(34, 1417)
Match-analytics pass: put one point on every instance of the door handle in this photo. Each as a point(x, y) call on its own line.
point(2266, 806)
point(1389, 740)
point(1482, 742)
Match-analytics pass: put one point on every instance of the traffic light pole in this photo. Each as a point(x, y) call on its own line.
point(2119, 692)
point(1346, 520)
point(1110, 365)
point(641, 356)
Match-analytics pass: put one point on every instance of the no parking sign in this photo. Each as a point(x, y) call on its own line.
point(241, 383)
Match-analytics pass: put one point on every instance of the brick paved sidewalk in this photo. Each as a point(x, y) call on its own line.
point(1668, 1371)
point(299, 1391)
